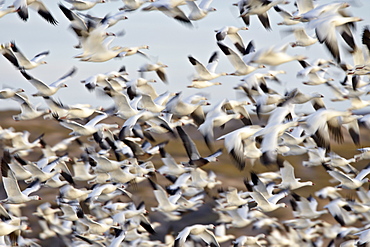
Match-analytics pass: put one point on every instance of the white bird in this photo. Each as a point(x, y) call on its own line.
point(326, 27)
point(302, 38)
point(305, 208)
point(241, 68)
point(158, 67)
point(48, 90)
point(20, 61)
point(28, 112)
point(131, 5)
point(206, 73)
point(89, 128)
point(323, 121)
point(268, 205)
point(200, 11)
point(347, 182)
point(84, 4)
point(259, 8)
point(22, 9)
point(288, 179)
point(203, 84)
point(197, 230)
point(169, 9)
point(232, 33)
point(236, 142)
point(249, 240)
point(14, 194)
point(7, 93)
point(287, 17)
point(274, 56)
point(166, 203)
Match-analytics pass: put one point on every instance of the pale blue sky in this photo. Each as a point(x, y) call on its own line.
point(168, 39)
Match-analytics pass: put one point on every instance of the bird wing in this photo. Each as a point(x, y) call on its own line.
point(40, 56)
point(39, 85)
point(213, 62)
point(199, 67)
point(64, 78)
point(9, 181)
point(43, 11)
point(233, 57)
point(189, 145)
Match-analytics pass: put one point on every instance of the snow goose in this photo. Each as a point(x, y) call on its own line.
point(268, 205)
point(20, 61)
point(20, 172)
point(241, 68)
point(129, 51)
point(158, 67)
point(22, 9)
point(337, 209)
point(259, 8)
point(215, 117)
point(232, 33)
point(28, 111)
point(200, 11)
point(37, 172)
point(102, 191)
point(170, 166)
point(132, 128)
point(21, 143)
point(206, 73)
point(235, 143)
point(103, 164)
point(14, 194)
point(124, 107)
point(48, 90)
point(273, 130)
point(274, 56)
point(258, 185)
point(141, 85)
point(287, 17)
point(250, 240)
point(77, 111)
point(305, 208)
point(89, 128)
point(195, 159)
point(95, 227)
point(323, 121)
point(203, 84)
point(167, 8)
point(326, 27)
point(240, 217)
point(69, 192)
point(9, 226)
point(308, 12)
point(84, 4)
point(316, 156)
point(347, 182)
point(106, 80)
point(7, 93)
point(184, 107)
point(298, 97)
point(131, 5)
point(288, 179)
point(166, 203)
point(147, 103)
point(302, 38)
point(81, 170)
point(100, 52)
point(198, 230)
